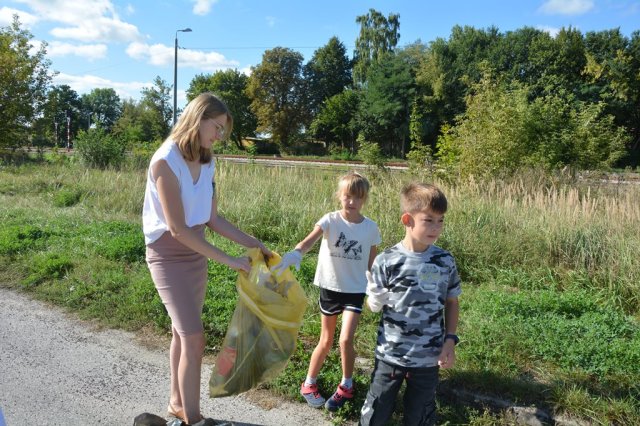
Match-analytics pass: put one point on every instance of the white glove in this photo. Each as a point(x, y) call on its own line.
point(377, 296)
point(288, 259)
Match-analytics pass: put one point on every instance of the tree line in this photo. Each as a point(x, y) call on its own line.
point(481, 101)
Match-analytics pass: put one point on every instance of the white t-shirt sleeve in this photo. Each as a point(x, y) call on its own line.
point(324, 222)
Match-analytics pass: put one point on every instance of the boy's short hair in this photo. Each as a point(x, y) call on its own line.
point(354, 184)
point(417, 197)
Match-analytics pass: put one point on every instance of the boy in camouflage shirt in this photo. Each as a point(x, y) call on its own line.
point(416, 285)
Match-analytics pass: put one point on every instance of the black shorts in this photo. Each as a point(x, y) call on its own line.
point(334, 302)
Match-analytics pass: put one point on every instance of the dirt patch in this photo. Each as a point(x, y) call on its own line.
point(262, 398)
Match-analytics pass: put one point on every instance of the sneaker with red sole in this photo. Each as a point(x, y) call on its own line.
point(337, 400)
point(312, 395)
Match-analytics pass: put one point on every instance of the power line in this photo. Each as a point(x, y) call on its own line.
point(253, 47)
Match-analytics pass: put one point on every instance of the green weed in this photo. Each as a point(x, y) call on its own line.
point(48, 266)
point(66, 198)
point(16, 239)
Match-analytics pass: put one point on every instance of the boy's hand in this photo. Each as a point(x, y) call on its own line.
point(378, 296)
point(288, 259)
point(447, 357)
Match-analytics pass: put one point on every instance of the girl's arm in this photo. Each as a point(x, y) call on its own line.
point(308, 242)
point(225, 228)
point(294, 257)
point(171, 201)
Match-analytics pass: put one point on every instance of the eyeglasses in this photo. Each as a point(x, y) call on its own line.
point(220, 130)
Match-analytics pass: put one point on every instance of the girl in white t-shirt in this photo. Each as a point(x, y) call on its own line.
point(347, 251)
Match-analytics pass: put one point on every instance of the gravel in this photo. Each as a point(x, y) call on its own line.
point(58, 370)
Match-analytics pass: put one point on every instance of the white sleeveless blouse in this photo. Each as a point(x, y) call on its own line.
point(196, 197)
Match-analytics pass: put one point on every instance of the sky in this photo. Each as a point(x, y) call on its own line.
point(125, 45)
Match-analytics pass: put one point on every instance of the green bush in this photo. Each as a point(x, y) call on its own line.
point(66, 197)
point(46, 267)
point(121, 241)
point(99, 149)
point(21, 238)
point(337, 152)
point(420, 159)
point(141, 154)
point(370, 153)
point(503, 131)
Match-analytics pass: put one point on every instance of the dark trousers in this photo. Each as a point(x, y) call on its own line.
point(419, 395)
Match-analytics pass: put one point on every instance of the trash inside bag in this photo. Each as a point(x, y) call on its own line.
point(263, 331)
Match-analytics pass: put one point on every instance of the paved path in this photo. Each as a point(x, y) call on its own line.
point(57, 370)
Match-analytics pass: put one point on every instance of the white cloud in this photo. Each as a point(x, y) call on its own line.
point(88, 20)
point(162, 55)
point(6, 17)
point(566, 7)
point(86, 83)
point(88, 51)
point(202, 7)
point(130, 9)
point(271, 21)
point(552, 31)
point(100, 29)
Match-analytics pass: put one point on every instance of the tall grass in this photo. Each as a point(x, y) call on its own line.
point(566, 236)
point(550, 272)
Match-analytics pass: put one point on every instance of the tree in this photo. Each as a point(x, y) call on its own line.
point(336, 122)
point(613, 67)
point(157, 108)
point(103, 105)
point(62, 100)
point(378, 36)
point(231, 86)
point(327, 73)
point(24, 78)
point(132, 128)
point(278, 98)
point(386, 104)
point(448, 70)
point(503, 130)
point(511, 52)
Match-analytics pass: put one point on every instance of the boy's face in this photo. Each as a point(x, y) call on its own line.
point(424, 227)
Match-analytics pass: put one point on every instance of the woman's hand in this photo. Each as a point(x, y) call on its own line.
point(265, 251)
point(240, 263)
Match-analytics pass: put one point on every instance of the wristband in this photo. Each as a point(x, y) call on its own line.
point(453, 337)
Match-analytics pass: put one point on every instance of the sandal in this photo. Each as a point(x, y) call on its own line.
point(179, 414)
point(172, 412)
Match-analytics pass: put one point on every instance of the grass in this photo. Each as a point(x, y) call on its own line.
point(551, 276)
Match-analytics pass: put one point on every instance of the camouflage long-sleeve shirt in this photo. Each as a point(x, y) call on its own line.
point(411, 329)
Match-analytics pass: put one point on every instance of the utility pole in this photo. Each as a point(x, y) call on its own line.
point(175, 74)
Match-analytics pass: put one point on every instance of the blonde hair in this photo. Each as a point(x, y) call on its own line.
point(417, 197)
point(186, 131)
point(353, 183)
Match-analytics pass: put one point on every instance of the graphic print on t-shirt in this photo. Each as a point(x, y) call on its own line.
point(348, 249)
point(428, 276)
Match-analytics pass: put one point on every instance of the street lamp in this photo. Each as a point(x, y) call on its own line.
point(175, 74)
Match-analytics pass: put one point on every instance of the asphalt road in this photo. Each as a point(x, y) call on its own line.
point(58, 370)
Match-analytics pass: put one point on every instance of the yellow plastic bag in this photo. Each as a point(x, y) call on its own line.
point(263, 331)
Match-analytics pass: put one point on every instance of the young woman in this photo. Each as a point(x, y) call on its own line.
point(179, 202)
